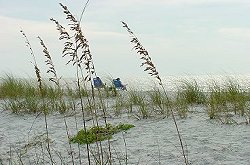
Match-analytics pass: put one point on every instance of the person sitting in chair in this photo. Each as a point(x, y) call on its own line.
point(118, 84)
point(98, 82)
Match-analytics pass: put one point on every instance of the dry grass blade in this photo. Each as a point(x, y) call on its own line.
point(38, 76)
point(69, 48)
point(84, 8)
point(82, 45)
point(77, 48)
point(37, 71)
point(55, 79)
point(147, 61)
point(151, 69)
point(39, 80)
point(49, 62)
point(29, 46)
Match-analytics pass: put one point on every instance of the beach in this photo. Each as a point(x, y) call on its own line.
point(152, 141)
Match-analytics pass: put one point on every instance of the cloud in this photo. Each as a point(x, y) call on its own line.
point(198, 2)
point(169, 29)
point(235, 32)
point(177, 2)
point(103, 42)
point(10, 26)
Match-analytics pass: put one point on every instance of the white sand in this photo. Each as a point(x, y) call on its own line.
point(152, 141)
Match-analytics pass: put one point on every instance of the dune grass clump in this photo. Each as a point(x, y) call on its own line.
point(191, 92)
point(135, 97)
point(181, 107)
point(188, 93)
point(236, 97)
point(99, 133)
point(11, 87)
point(73, 92)
point(216, 101)
point(23, 96)
point(226, 101)
point(159, 102)
point(158, 99)
point(143, 111)
point(139, 104)
point(26, 105)
point(120, 103)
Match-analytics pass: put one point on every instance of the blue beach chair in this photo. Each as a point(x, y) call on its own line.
point(118, 84)
point(98, 82)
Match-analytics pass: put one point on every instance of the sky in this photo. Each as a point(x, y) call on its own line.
point(183, 37)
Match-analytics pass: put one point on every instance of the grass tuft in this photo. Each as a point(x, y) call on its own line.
point(191, 93)
point(99, 133)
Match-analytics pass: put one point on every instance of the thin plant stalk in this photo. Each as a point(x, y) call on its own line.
point(83, 10)
point(80, 55)
point(56, 80)
point(39, 80)
point(69, 50)
point(152, 71)
point(126, 152)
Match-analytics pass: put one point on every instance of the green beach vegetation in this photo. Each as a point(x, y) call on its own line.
point(99, 133)
point(22, 96)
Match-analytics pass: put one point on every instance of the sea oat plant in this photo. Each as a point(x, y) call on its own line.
point(76, 47)
point(152, 71)
point(71, 50)
point(55, 79)
point(39, 80)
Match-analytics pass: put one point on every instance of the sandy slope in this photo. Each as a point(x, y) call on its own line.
point(152, 141)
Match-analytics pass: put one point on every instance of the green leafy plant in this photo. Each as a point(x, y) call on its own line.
point(99, 133)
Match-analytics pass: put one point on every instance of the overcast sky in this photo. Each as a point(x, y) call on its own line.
point(183, 37)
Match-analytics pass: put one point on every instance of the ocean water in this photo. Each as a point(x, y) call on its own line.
point(171, 83)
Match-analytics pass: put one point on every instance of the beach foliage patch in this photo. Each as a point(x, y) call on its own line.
point(99, 133)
